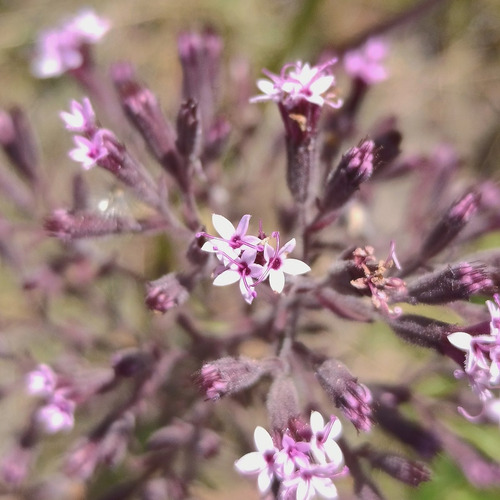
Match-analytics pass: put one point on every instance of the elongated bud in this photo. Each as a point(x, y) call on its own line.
point(131, 362)
point(167, 292)
point(355, 167)
point(422, 331)
point(18, 142)
point(446, 230)
point(228, 376)
point(282, 403)
point(189, 129)
point(343, 389)
point(143, 110)
point(68, 226)
point(457, 282)
point(401, 468)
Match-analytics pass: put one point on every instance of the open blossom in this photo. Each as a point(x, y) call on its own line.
point(89, 151)
point(304, 468)
point(60, 50)
point(57, 415)
point(482, 360)
point(248, 259)
point(278, 264)
point(367, 62)
point(41, 381)
point(300, 81)
point(81, 119)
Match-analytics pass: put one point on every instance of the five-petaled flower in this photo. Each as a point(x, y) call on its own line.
point(300, 81)
point(81, 119)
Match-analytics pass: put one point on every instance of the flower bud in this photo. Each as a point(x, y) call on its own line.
point(343, 389)
point(228, 376)
point(167, 292)
point(401, 468)
point(189, 130)
point(282, 403)
point(457, 282)
point(131, 362)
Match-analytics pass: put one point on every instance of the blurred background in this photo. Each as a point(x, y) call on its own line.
point(443, 85)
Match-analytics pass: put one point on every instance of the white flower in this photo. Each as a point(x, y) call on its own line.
point(323, 445)
point(260, 462)
point(57, 415)
point(41, 381)
point(278, 264)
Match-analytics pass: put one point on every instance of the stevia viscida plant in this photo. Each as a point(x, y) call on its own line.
point(149, 397)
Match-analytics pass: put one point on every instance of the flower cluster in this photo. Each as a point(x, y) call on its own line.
point(63, 49)
point(248, 259)
point(57, 414)
point(300, 81)
point(303, 464)
point(482, 363)
point(366, 62)
point(94, 145)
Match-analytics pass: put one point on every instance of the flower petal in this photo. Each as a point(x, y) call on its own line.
point(228, 277)
point(223, 226)
point(460, 340)
point(294, 267)
point(277, 280)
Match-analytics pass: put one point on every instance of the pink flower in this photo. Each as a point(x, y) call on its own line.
point(244, 270)
point(278, 264)
point(57, 415)
point(300, 82)
point(81, 119)
point(89, 151)
point(41, 381)
point(61, 50)
point(366, 63)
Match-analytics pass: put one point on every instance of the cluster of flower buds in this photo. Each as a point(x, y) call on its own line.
point(57, 414)
point(248, 259)
point(66, 48)
point(302, 462)
point(482, 363)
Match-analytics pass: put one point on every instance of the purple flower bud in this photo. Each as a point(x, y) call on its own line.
point(446, 230)
point(282, 403)
point(167, 292)
point(355, 167)
point(172, 436)
point(401, 468)
point(200, 56)
point(457, 282)
point(228, 376)
point(189, 130)
point(67, 226)
point(144, 112)
point(18, 142)
point(422, 331)
point(353, 398)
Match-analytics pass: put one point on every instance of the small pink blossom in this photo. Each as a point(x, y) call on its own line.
point(57, 414)
point(41, 381)
point(88, 152)
point(278, 263)
point(60, 50)
point(81, 119)
point(323, 441)
point(300, 81)
point(367, 62)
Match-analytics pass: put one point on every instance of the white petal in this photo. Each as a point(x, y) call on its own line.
point(336, 429)
point(264, 481)
point(277, 280)
point(227, 278)
point(251, 463)
point(317, 422)
point(333, 452)
point(294, 267)
point(304, 490)
point(321, 85)
point(460, 340)
point(325, 487)
point(266, 86)
point(263, 440)
point(288, 247)
point(243, 225)
point(223, 226)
